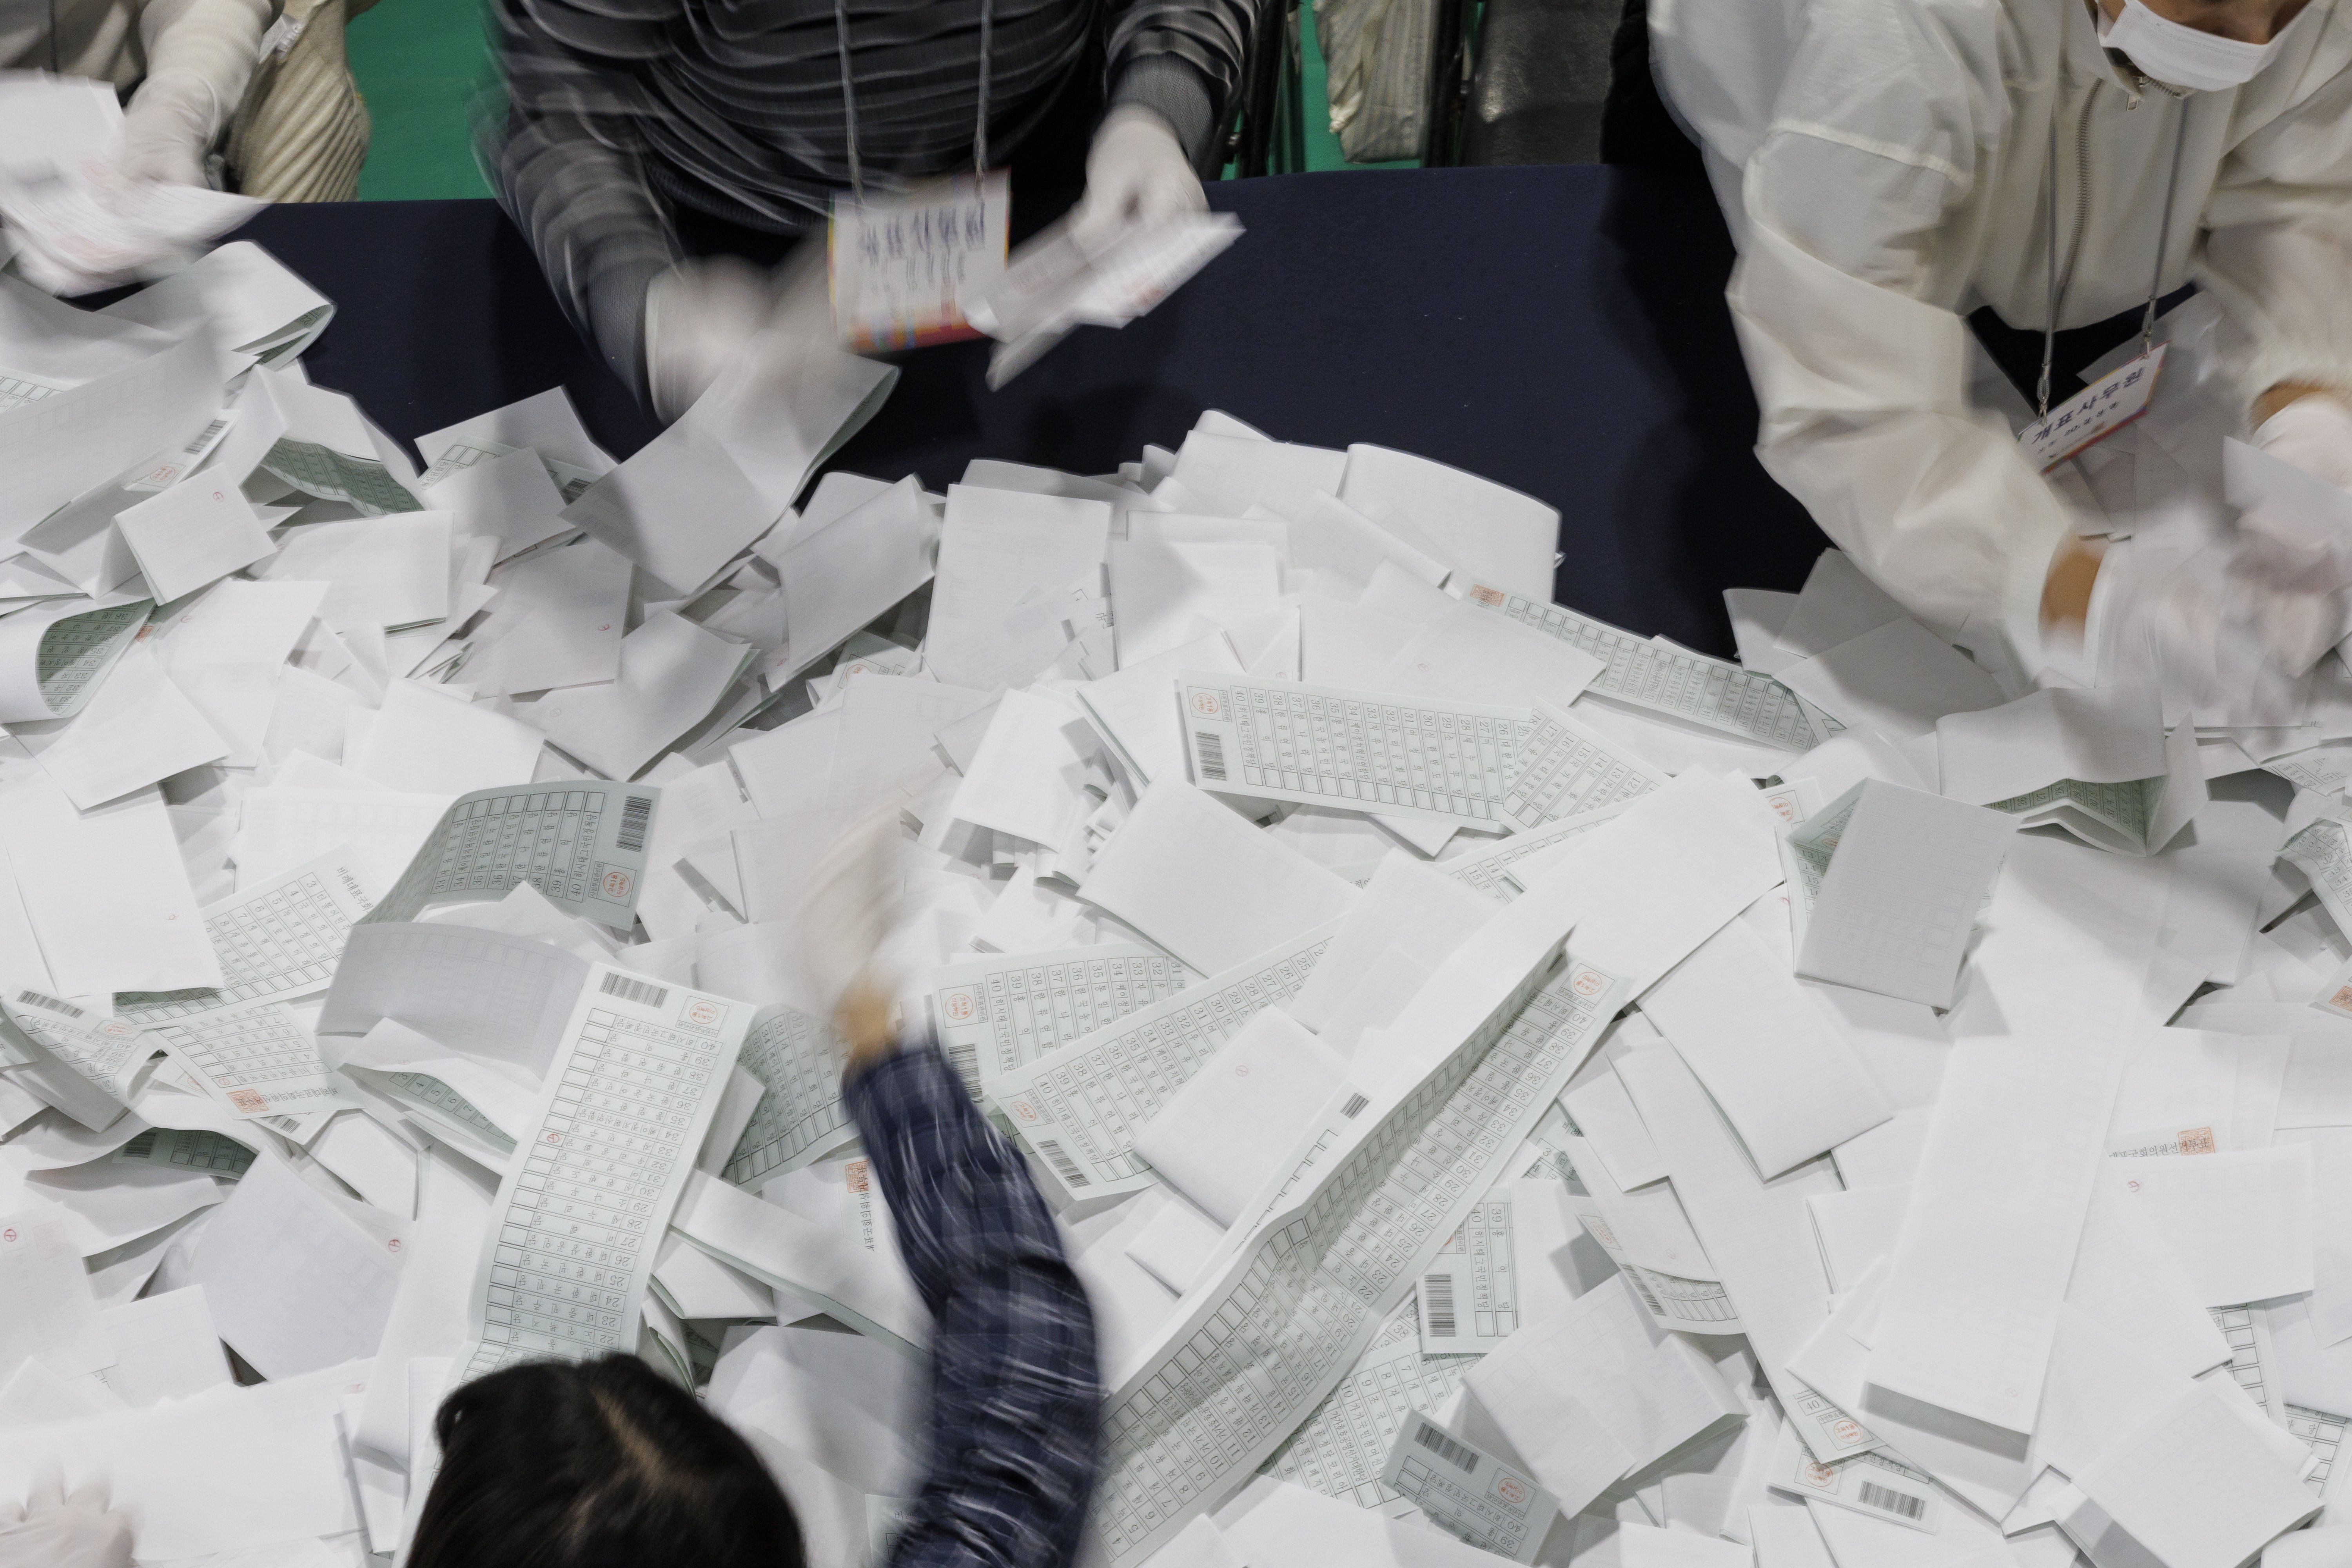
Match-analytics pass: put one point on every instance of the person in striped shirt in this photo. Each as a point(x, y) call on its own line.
point(637, 137)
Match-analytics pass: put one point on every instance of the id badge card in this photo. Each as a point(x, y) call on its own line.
point(2093, 414)
point(903, 264)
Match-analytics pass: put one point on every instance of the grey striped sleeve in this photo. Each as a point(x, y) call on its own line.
point(616, 111)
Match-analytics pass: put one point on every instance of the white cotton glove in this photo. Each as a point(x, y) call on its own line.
point(168, 129)
point(2315, 434)
point(2234, 628)
point(707, 318)
point(200, 58)
point(700, 317)
point(55, 1530)
point(1137, 172)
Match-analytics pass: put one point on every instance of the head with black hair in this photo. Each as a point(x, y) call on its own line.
point(603, 1464)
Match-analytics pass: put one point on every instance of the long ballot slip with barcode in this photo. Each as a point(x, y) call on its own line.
point(276, 940)
point(1342, 1449)
point(998, 1013)
point(801, 1119)
point(1869, 1483)
point(1468, 1492)
point(1358, 751)
point(1653, 673)
point(86, 1065)
point(1078, 1107)
point(1280, 1316)
point(1469, 1293)
point(589, 1193)
point(1565, 770)
point(257, 1059)
point(581, 845)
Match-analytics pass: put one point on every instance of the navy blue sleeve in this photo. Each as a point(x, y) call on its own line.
point(1014, 1448)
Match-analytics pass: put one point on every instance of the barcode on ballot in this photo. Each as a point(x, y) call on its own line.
point(644, 993)
point(1213, 755)
point(34, 999)
point(964, 1056)
point(1064, 1166)
point(1437, 1301)
point(1902, 1504)
point(636, 816)
point(1434, 1439)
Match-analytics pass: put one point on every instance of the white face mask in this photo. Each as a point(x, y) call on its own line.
point(2172, 52)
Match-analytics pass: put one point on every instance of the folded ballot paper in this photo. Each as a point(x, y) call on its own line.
point(76, 225)
point(1055, 284)
point(1514, 1090)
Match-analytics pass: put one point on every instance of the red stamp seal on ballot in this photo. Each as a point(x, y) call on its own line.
point(252, 1101)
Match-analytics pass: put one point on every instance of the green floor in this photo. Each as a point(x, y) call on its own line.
point(420, 61)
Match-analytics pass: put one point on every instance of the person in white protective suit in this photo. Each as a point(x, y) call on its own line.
point(188, 60)
point(1888, 165)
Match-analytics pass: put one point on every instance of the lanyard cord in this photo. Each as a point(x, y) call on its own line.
point(2171, 188)
point(2051, 293)
point(2049, 280)
point(979, 129)
point(848, 99)
point(849, 94)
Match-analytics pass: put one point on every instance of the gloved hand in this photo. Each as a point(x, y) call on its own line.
point(2231, 630)
point(1136, 172)
point(168, 128)
point(700, 317)
point(55, 1530)
point(721, 315)
point(2315, 434)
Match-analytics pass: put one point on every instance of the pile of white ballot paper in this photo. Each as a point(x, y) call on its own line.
point(1516, 1090)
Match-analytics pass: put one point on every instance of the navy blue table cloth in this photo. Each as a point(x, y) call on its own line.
point(1560, 330)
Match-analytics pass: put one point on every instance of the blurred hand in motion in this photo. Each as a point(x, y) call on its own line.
point(716, 315)
point(699, 318)
point(54, 1529)
point(2236, 627)
point(2314, 432)
point(840, 934)
point(1137, 172)
point(168, 128)
point(867, 1019)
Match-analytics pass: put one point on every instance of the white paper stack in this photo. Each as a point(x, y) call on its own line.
point(1514, 1088)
